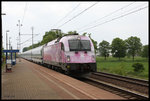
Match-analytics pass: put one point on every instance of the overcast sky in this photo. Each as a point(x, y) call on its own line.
point(104, 20)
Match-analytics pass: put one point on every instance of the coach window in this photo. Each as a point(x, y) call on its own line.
point(62, 46)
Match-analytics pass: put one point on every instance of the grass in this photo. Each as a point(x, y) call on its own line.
point(123, 67)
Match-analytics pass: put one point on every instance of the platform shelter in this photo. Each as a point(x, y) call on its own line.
point(12, 60)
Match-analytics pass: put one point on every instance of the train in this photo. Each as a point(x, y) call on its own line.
point(71, 54)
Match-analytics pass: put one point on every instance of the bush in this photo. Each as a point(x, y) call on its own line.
point(138, 67)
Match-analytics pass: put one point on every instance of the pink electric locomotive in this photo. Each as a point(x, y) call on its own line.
point(71, 54)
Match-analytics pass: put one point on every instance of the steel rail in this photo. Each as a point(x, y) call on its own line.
point(113, 88)
point(123, 78)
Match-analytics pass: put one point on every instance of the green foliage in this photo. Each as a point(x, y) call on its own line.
point(133, 45)
point(84, 34)
point(145, 51)
point(118, 47)
point(120, 70)
point(49, 36)
point(71, 32)
point(25, 49)
point(104, 48)
point(123, 67)
point(138, 67)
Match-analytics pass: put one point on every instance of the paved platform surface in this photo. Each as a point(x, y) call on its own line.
point(22, 83)
point(30, 81)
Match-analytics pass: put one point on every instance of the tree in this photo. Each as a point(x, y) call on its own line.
point(133, 45)
point(25, 49)
point(84, 34)
point(118, 47)
point(104, 48)
point(72, 32)
point(49, 36)
point(145, 52)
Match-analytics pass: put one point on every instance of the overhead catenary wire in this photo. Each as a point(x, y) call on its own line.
point(77, 14)
point(107, 15)
point(115, 18)
point(24, 45)
point(135, 7)
point(29, 39)
point(67, 14)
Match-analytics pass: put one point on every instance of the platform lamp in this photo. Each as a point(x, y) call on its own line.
point(19, 25)
point(7, 39)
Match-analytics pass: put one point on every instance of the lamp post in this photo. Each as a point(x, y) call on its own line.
point(17, 42)
point(9, 43)
point(19, 38)
point(6, 39)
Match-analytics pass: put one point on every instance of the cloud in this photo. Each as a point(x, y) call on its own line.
point(14, 9)
point(55, 8)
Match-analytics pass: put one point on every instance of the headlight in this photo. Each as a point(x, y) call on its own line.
point(78, 38)
point(68, 58)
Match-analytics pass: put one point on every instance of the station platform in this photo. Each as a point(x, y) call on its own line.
point(31, 81)
point(22, 83)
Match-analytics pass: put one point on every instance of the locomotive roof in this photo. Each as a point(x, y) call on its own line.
point(66, 37)
point(73, 37)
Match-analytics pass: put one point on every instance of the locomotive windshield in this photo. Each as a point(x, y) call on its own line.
point(79, 45)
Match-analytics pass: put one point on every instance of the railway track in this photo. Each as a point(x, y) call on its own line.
point(127, 87)
point(46, 74)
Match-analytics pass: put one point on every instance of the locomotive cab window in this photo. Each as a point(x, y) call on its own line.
point(79, 45)
point(62, 46)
